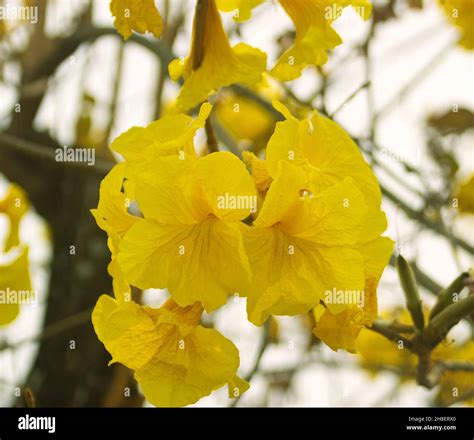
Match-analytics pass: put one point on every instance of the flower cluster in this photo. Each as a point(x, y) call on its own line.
point(290, 235)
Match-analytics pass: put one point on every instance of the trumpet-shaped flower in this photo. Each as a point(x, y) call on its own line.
point(327, 155)
point(15, 286)
point(136, 15)
point(189, 241)
point(301, 245)
point(219, 64)
point(314, 34)
point(175, 360)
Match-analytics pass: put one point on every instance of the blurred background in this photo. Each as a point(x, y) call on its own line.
point(400, 84)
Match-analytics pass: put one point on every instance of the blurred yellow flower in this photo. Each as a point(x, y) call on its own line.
point(461, 14)
point(246, 121)
point(175, 360)
point(241, 9)
point(15, 286)
point(14, 205)
point(378, 352)
point(465, 197)
point(136, 15)
point(456, 384)
point(220, 64)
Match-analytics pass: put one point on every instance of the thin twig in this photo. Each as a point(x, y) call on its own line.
point(53, 329)
point(263, 346)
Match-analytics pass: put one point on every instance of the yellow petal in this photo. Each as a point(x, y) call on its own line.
point(111, 214)
point(226, 184)
point(136, 15)
point(327, 155)
point(340, 330)
point(160, 190)
point(376, 255)
point(195, 366)
point(127, 331)
point(237, 386)
point(170, 135)
point(121, 288)
point(241, 9)
point(221, 65)
point(314, 34)
point(203, 262)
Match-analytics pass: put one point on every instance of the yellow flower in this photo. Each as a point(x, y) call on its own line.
point(170, 135)
point(249, 124)
point(189, 241)
point(112, 217)
point(461, 14)
point(455, 384)
point(314, 34)
point(15, 280)
point(301, 246)
point(341, 330)
point(465, 196)
point(318, 229)
point(241, 9)
point(176, 361)
point(136, 15)
point(246, 121)
point(14, 205)
point(220, 64)
point(327, 155)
